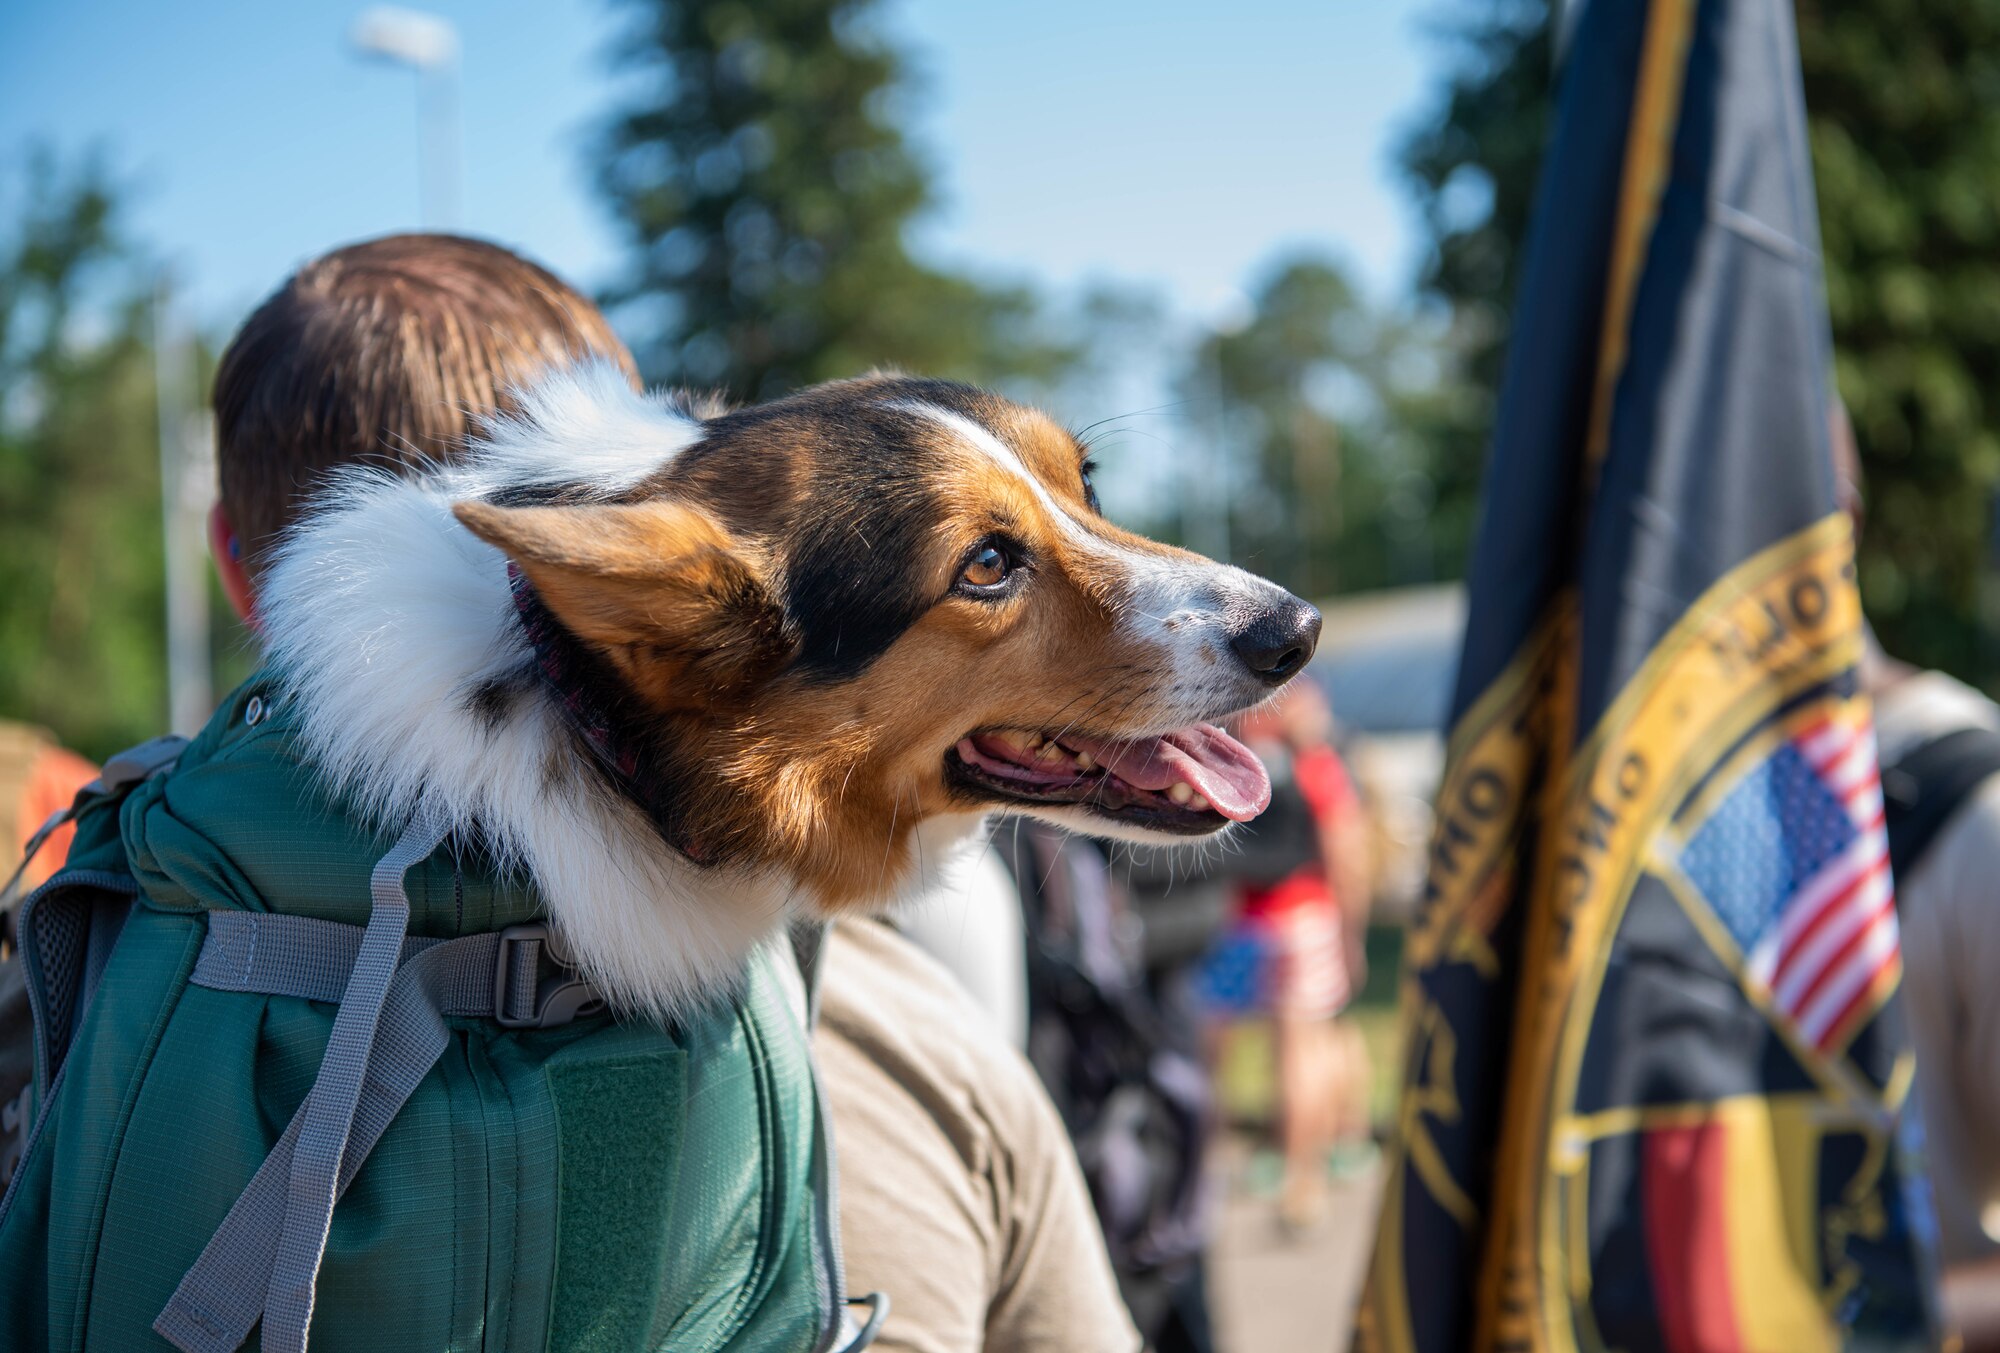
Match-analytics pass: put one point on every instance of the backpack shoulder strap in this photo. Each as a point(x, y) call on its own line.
point(843, 1334)
point(1927, 786)
point(61, 936)
point(67, 926)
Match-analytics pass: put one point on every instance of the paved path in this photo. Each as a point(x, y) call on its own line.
point(1271, 1294)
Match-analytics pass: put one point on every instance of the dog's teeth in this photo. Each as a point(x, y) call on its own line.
point(1182, 792)
point(1084, 761)
point(1020, 742)
point(1052, 752)
point(1032, 740)
point(1198, 803)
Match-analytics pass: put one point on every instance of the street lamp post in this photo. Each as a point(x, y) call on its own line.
point(427, 45)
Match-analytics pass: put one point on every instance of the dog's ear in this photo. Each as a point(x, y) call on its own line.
point(659, 588)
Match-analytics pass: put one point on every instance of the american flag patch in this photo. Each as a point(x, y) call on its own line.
point(1795, 864)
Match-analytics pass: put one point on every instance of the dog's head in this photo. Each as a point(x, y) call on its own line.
point(880, 606)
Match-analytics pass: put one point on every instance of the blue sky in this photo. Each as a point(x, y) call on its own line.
point(1172, 143)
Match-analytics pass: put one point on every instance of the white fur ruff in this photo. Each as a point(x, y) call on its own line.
point(383, 615)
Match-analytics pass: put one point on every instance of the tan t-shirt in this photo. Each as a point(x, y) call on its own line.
point(1949, 908)
point(960, 1195)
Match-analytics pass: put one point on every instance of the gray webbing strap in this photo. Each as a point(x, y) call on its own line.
point(495, 976)
point(221, 1298)
point(273, 954)
point(329, 1120)
point(279, 1224)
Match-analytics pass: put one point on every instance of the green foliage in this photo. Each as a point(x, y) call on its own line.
point(766, 190)
point(1472, 169)
point(83, 628)
point(1345, 416)
point(83, 625)
point(1903, 106)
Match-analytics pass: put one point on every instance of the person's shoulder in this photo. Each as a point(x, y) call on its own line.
point(1925, 706)
point(875, 979)
point(952, 1153)
point(905, 1013)
point(1952, 885)
point(868, 947)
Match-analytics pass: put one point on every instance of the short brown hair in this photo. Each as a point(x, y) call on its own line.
point(388, 352)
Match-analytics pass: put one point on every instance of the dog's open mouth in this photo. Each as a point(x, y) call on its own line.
point(1190, 781)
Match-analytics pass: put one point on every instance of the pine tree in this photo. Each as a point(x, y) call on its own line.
point(767, 191)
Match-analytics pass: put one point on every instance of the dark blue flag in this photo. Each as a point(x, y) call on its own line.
point(1656, 1079)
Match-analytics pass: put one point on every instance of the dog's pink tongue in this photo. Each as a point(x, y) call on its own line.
point(1221, 769)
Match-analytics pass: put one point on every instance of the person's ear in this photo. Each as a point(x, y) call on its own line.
point(668, 596)
point(227, 550)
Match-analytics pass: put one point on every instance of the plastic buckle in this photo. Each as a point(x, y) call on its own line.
point(560, 994)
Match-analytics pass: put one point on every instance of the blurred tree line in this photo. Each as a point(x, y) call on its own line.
point(1905, 130)
point(759, 166)
point(1343, 425)
point(83, 629)
point(766, 187)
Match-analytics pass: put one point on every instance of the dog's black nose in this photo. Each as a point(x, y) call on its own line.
point(1277, 642)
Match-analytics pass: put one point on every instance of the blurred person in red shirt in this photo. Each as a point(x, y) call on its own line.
point(1294, 949)
point(38, 779)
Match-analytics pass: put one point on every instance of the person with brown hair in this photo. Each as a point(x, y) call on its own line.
point(960, 1193)
point(386, 353)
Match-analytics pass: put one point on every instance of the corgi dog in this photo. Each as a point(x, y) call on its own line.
point(698, 670)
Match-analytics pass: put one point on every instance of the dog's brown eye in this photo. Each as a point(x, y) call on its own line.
point(987, 567)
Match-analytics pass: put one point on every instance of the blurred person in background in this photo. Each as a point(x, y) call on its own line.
point(38, 779)
point(1294, 947)
point(960, 1195)
point(1134, 1098)
point(1939, 746)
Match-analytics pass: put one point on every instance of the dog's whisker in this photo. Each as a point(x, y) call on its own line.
point(1083, 433)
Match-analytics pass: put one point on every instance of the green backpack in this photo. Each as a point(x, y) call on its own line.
point(248, 1006)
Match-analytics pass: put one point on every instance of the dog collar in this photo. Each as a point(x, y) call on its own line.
point(572, 674)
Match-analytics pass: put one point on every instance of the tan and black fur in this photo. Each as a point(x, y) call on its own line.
point(787, 605)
